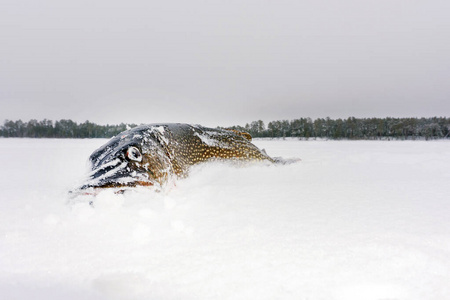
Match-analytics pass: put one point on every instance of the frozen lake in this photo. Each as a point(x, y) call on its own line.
point(352, 220)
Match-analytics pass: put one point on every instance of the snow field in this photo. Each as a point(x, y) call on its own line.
point(352, 220)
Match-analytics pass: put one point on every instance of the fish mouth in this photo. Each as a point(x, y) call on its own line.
point(115, 174)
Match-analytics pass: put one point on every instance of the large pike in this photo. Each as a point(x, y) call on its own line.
point(149, 155)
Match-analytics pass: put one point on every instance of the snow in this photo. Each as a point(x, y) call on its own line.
point(161, 135)
point(352, 220)
point(210, 138)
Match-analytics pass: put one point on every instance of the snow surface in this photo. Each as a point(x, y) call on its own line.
point(352, 220)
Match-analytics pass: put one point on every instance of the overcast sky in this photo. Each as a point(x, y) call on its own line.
point(223, 62)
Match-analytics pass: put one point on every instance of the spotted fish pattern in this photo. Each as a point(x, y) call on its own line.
point(149, 155)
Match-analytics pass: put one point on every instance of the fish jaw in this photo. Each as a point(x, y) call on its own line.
point(116, 174)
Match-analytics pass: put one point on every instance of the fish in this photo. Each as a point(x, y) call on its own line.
point(153, 154)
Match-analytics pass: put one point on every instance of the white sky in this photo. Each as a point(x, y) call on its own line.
point(223, 62)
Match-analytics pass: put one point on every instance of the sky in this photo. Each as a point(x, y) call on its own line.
point(223, 62)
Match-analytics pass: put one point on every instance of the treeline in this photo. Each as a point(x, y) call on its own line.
point(351, 128)
point(60, 129)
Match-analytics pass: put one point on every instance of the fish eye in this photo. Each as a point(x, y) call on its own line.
point(134, 154)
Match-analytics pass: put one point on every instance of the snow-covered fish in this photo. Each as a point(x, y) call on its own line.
point(149, 155)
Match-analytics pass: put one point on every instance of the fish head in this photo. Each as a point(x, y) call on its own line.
point(137, 157)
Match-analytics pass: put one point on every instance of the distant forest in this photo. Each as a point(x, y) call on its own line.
point(60, 129)
point(351, 128)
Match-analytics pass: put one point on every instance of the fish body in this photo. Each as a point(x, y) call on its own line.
point(149, 155)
